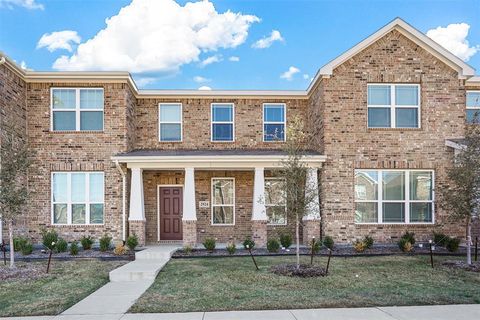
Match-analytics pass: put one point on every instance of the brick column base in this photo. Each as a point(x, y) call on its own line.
point(189, 233)
point(311, 228)
point(259, 233)
point(137, 227)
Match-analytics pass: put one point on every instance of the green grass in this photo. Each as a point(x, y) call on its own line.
point(204, 284)
point(68, 283)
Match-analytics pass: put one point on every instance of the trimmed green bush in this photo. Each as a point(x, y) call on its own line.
point(368, 241)
point(286, 240)
point(18, 242)
point(26, 248)
point(74, 248)
point(453, 244)
point(273, 245)
point(62, 245)
point(86, 242)
point(105, 243)
point(209, 244)
point(405, 245)
point(440, 239)
point(50, 239)
point(231, 248)
point(317, 246)
point(328, 242)
point(187, 249)
point(132, 242)
point(410, 237)
point(249, 242)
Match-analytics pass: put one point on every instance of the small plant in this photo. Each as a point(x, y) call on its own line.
point(132, 242)
point(328, 242)
point(49, 239)
point(86, 242)
point(120, 249)
point(317, 245)
point(286, 240)
point(405, 245)
point(26, 248)
point(273, 245)
point(187, 249)
point(105, 243)
point(249, 243)
point(209, 244)
point(453, 244)
point(62, 246)
point(74, 248)
point(359, 246)
point(368, 241)
point(440, 239)
point(410, 237)
point(18, 242)
point(231, 248)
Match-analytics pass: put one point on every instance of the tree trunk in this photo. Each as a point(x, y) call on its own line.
point(297, 234)
point(469, 241)
point(12, 252)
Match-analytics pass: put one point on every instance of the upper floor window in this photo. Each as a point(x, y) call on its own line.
point(275, 201)
point(393, 106)
point(222, 122)
point(223, 201)
point(274, 122)
point(170, 122)
point(473, 106)
point(77, 109)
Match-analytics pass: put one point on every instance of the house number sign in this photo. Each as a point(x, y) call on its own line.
point(204, 204)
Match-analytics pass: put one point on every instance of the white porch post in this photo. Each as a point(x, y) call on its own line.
point(189, 219)
point(259, 212)
point(136, 217)
point(311, 221)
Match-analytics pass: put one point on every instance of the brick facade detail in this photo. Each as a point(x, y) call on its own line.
point(311, 229)
point(137, 227)
point(189, 233)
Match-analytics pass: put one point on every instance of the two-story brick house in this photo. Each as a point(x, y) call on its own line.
point(180, 165)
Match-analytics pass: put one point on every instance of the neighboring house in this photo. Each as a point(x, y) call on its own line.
point(180, 165)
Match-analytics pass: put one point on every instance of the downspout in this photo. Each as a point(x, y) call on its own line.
point(124, 197)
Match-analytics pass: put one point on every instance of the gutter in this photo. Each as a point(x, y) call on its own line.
point(124, 199)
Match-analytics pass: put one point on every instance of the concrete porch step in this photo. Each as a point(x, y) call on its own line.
point(158, 252)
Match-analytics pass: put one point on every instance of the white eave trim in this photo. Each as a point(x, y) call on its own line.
point(454, 145)
point(473, 81)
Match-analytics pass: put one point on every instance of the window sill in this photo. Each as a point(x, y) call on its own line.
point(394, 129)
point(222, 225)
point(76, 132)
point(55, 225)
point(394, 223)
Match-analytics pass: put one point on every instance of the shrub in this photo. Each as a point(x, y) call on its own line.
point(359, 246)
point(273, 245)
point(249, 242)
point(18, 242)
point(317, 245)
point(105, 243)
point(86, 242)
point(132, 242)
point(286, 240)
point(368, 241)
point(405, 245)
point(453, 244)
point(62, 245)
point(209, 244)
point(410, 237)
point(328, 242)
point(26, 248)
point(231, 248)
point(120, 249)
point(440, 239)
point(74, 248)
point(49, 239)
point(187, 249)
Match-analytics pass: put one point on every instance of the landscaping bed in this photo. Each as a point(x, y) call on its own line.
point(39, 254)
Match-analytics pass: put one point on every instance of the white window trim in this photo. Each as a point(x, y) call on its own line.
point(275, 205)
point(69, 198)
point(474, 107)
point(77, 109)
point(222, 205)
point(170, 122)
point(284, 122)
point(222, 122)
point(379, 202)
point(392, 106)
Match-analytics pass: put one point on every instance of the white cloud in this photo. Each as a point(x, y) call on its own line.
point(158, 36)
point(288, 75)
point(234, 59)
point(204, 88)
point(143, 81)
point(306, 76)
point(454, 38)
point(28, 4)
point(200, 79)
point(266, 42)
point(59, 40)
point(23, 65)
point(211, 59)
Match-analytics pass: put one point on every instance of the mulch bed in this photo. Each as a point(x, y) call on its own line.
point(27, 271)
point(82, 254)
point(458, 264)
point(304, 270)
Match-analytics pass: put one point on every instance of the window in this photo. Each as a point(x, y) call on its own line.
point(393, 106)
point(77, 109)
point(223, 201)
point(473, 106)
point(394, 196)
point(222, 122)
point(170, 122)
point(275, 201)
point(77, 198)
point(274, 122)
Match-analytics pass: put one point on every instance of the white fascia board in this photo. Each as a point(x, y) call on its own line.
point(223, 93)
point(455, 145)
point(474, 81)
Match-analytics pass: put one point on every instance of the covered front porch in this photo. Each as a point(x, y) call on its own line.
point(189, 195)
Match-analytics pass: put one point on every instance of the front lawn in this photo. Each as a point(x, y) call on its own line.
point(40, 294)
point(204, 284)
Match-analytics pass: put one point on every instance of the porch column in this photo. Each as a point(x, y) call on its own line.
point(189, 219)
point(311, 221)
point(136, 218)
point(259, 212)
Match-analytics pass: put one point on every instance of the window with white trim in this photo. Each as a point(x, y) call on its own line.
point(275, 201)
point(170, 122)
point(223, 122)
point(473, 106)
point(394, 196)
point(274, 121)
point(77, 198)
point(223, 201)
point(393, 106)
point(77, 109)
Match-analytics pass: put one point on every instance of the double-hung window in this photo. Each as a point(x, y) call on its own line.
point(77, 198)
point(170, 122)
point(77, 109)
point(393, 106)
point(275, 201)
point(274, 121)
point(223, 201)
point(394, 196)
point(473, 106)
point(223, 122)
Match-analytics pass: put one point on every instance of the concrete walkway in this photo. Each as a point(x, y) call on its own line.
point(449, 312)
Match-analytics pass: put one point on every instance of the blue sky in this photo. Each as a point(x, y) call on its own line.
point(160, 41)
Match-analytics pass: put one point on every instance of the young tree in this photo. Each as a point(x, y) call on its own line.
point(461, 197)
point(14, 160)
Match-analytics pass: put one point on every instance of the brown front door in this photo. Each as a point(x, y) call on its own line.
point(171, 209)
